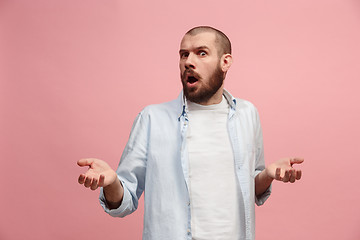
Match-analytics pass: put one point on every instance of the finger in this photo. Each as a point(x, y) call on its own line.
point(81, 178)
point(277, 174)
point(101, 181)
point(85, 162)
point(87, 182)
point(292, 175)
point(298, 174)
point(286, 176)
point(296, 161)
point(94, 184)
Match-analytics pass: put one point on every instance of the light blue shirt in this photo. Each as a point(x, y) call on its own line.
point(155, 160)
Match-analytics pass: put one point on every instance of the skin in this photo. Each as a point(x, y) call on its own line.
point(281, 170)
point(199, 55)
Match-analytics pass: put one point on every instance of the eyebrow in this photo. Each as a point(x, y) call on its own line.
point(198, 48)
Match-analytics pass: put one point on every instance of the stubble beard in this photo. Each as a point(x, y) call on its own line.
point(203, 92)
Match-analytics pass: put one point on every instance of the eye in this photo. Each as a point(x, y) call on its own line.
point(202, 53)
point(184, 54)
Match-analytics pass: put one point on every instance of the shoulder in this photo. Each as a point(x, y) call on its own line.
point(240, 105)
point(247, 110)
point(244, 105)
point(173, 107)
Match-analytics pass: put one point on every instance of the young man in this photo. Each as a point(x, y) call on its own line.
point(199, 158)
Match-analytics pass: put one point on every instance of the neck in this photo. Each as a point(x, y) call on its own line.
point(215, 99)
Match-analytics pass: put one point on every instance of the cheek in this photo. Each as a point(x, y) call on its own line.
point(181, 66)
point(207, 70)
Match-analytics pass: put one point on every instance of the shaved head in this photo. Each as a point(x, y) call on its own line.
point(223, 42)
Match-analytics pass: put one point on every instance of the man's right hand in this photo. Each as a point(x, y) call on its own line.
point(99, 174)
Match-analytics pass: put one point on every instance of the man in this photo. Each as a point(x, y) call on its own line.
point(198, 158)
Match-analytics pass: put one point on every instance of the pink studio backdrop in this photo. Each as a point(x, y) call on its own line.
point(74, 74)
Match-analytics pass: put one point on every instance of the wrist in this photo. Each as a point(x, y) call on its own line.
point(114, 194)
point(268, 176)
point(113, 186)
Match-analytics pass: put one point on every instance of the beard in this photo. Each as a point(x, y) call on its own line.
point(203, 91)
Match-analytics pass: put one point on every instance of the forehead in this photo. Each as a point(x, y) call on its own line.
point(201, 39)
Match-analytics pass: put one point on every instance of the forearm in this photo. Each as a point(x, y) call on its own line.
point(262, 182)
point(114, 194)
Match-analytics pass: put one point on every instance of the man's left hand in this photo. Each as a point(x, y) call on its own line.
point(282, 170)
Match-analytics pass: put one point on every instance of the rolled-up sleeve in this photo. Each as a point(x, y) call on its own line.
point(260, 162)
point(121, 211)
point(132, 169)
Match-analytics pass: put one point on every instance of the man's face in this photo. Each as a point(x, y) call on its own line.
point(201, 74)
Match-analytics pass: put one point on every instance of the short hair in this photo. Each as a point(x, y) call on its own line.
point(221, 38)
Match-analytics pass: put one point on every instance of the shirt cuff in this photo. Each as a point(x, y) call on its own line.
point(121, 210)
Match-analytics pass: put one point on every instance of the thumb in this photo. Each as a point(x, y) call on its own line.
point(85, 162)
point(296, 160)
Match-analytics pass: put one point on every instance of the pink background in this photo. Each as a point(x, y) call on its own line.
point(74, 74)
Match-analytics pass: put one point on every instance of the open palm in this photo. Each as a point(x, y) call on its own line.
point(99, 174)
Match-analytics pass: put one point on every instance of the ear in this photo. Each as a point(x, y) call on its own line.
point(225, 62)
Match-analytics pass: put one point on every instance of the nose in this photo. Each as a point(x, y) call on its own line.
point(189, 63)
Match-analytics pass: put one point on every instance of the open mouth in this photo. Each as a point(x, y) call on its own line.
point(191, 79)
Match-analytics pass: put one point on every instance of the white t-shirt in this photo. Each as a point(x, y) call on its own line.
point(214, 189)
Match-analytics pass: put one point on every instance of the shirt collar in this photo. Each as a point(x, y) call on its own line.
point(184, 108)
